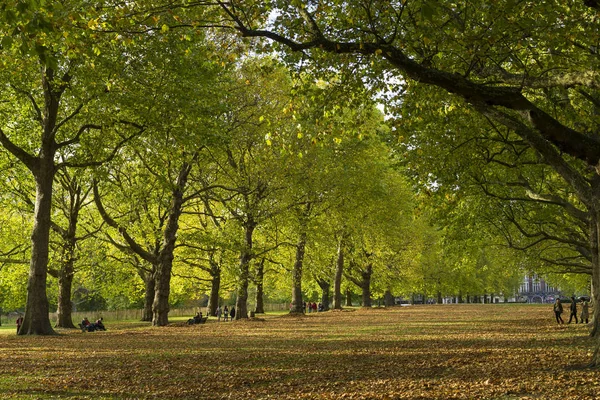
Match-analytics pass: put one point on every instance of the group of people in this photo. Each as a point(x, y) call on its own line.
point(196, 319)
point(585, 311)
point(310, 307)
point(225, 312)
point(87, 326)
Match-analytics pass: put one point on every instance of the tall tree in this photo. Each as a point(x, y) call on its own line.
point(56, 88)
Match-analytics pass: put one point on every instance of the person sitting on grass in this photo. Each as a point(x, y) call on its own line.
point(86, 325)
point(99, 325)
point(197, 319)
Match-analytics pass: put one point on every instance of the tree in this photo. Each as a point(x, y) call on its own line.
point(505, 61)
point(71, 200)
point(55, 89)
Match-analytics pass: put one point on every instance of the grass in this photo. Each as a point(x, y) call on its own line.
point(420, 352)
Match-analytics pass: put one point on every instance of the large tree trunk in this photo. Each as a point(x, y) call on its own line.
point(162, 290)
point(260, 274)
point(388, 299)
point(215, 287)
point(595, 294)
point(339, 272)
point(595, 247)
point(348, 297)
point(325, 288)
point(366, 285)
point(65, 306)
point(37, 318)
point(297, 299)
point(67, 272)
point(241, 303)
point(149, 288)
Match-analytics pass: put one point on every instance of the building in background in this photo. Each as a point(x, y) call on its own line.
point(534, 289)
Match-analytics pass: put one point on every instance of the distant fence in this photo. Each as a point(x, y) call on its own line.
point(122, 315)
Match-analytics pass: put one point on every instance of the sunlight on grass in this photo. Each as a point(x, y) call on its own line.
point(426, 352)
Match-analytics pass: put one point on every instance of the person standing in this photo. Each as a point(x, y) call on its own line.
point(232, 313)
point(573, 309)
point(558, 310)
point(585, 312)
point(219, 314)
point(225, 314)
point(19, 323)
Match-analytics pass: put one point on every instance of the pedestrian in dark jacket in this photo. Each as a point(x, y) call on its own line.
point(573, 309)
point(232, 313)
point(558, 310)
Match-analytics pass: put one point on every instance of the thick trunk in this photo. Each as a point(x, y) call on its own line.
point(439, 297)
point(460, 298)
point(160, 306)
point(65, 306)
point(215, 287)
point(388, 298)
point(348, 298)
point(37, 319)
point(366, 286)
point(337, 282)
point(594, 236)
point(241, 303)
point(149, 287)
point(297, 276)
point(595, 294)
point(162, 289)
point(260, 274)
point(325, 288)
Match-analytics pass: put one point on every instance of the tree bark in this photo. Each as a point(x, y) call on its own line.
point(366, 285)
point(388, 299)
point(348, 298)
point(69, 246)
point(595, 293)
point(241, 303)
point(215, 287)
point(149, 288)
point(162, 290)
point(64, 311)
point(595, 247)
point(297, 299)
point(260, 274)
point(37, 319)
point(339, 272)
point(325, 288)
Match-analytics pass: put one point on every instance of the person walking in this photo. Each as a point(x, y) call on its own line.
point(558, 310)
point(585, 312)
point(232, 313)
point(573, 309)
point(219, 311)
point(225, 314)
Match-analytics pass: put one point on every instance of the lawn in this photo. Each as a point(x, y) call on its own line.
point(421, 352)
